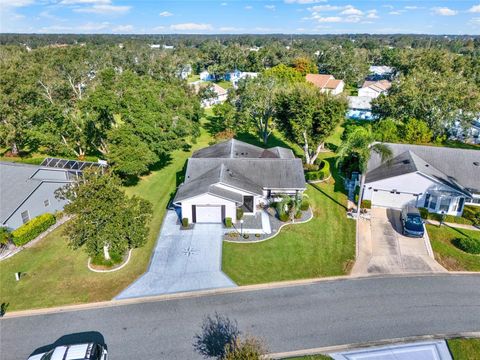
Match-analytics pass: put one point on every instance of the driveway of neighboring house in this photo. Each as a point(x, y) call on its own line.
point(183, 260)
point(384, 250)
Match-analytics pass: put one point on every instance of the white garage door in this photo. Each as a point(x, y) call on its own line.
point(209, 214)
point(392, 200)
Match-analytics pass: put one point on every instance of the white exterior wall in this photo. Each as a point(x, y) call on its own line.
point(35, 204)
point(207, 199)
point(413, 183)
point(256, 199)
point(339, 88)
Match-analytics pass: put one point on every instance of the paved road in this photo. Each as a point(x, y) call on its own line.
point(288, 318)
point(183, 261)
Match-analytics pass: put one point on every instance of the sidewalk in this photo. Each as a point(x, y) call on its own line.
point(454, 225)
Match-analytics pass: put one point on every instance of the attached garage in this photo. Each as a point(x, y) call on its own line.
point(392, 199)
point(208, 213)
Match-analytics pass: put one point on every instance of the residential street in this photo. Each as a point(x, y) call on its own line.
point(289, 318)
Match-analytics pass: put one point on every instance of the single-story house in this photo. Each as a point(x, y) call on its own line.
point(326, 83)
point(28, 191)
point(221, 94)
point(469, 134)
point(235, 76)
point(185, 72)
point(381, 72)
point(206, 76)
point(232, 174)
point(360, 108)
point(440, 179)
point(374, 89)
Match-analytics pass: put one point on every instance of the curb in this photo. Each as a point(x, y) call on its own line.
point(220, 291)
point(356, 346)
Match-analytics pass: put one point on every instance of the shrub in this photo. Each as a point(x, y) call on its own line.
point(322, 173)
point(298, 214)
point(185, 222)
point(5, 236)
point(472, 213)
point(247, 349)
point(305, 205)
point(366, 204)
point(32, 229)
point(239, 213)
point(310, 167)
point(468, 244)
point(228, 222)
point(283, 217)
point(423, 212)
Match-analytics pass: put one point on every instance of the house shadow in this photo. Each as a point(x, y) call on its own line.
point(393, 217)
point(318, 188)
point(255, 139)
point(214, 124)
point(72, 339)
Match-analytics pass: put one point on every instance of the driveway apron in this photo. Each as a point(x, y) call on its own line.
point(183, 260)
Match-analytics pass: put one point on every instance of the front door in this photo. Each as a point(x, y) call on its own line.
point(248, 204)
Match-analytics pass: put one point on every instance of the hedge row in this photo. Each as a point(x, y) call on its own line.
point(321, 174)
point(468, 244)
point(448, 218)
point(31, 229)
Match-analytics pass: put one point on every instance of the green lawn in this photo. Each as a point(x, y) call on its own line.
point(464, 349)
point(57, 275)
point(225, 84)
point(447, 254)
point(311, 357)
point(325, 246)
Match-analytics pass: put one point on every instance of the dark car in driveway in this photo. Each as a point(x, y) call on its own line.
point(412, 222)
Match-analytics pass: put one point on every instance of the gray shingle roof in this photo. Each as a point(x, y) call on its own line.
point(455, 167)
point(238, 149)
point(242, 166)
point(15, 186)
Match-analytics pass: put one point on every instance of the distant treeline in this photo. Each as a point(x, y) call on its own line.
point(452, 42)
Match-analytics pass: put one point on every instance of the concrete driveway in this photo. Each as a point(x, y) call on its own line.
point(183, 260)
point(384, 250)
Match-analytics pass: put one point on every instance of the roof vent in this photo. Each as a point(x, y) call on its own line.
point(406, 162)
point(476, 163)
point(427, 165)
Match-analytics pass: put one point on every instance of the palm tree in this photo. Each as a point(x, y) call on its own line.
point(359, 144)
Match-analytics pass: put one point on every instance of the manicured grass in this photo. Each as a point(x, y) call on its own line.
point(325, 246)
point(464, 349)
point(193, 78)
point(447, 254)
point(225, 84)
point(54, 274)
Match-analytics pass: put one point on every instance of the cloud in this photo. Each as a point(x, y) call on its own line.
point(411, 7)
point(230, 29)
point(123, 28)
point(396, 12)
point(475, 22)
point(474, 9)
point(329, 19)
point(165, 13)
point(270, 7)
point(104, 9)
point(350, 10)
point(444, 11)
point(78, 2)
point(15, 3)
point(248, 7)
point(89, 27)
point(304, 1)
point(159, 28)
point(224, 4)
point(191, 27)
point(372, 14)
point(319, 8)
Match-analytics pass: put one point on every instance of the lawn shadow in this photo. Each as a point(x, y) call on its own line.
point(214, 124)
point(133, 180)
point(318, 188)
point(273, 141)
point(72, 339)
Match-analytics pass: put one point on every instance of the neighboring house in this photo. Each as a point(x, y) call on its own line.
point(28, 191)
point(168, 47)
point(374, 89)
point(206, 76)
point(237, 75)
point(438, 178)
point(360, 108)
point(326, 83)
point(155, 46)
point(185, 72)
point(221, 94)
point(470, 134)
point(232, 174)
point(381, 72)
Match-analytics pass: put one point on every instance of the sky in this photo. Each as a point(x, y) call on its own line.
point(240, 16)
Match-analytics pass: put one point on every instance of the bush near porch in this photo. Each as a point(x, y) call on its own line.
point(470, 216)
point(324, 246)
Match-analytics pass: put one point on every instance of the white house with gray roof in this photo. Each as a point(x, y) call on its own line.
point(438, 178)
point(234, 174)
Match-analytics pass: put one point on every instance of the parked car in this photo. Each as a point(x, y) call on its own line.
point(412, 222)
point(89, 351)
